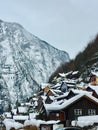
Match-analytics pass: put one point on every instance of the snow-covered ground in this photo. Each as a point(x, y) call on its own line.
point(85, 121)
point(9, 123)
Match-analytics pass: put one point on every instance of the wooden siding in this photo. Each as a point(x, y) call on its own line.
point(83, 104)
point(67, 114)
point(58, 115)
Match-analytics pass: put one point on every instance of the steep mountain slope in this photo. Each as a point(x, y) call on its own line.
point(85, 61)
point(25, 61)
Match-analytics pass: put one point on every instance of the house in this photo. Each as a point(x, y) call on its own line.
point(40, 102)
point(70, 94)
point(71, 83)
point(79, 105)
point(86, 122)
point(49, 99)
point(48, 125)
point(93, 89)
point(73, 75)
point(22, 110)
point(94, 78)
point(43, 89)
point(54, 92)
point(51, 93)
point(64, 87)
point(8, 115)
point(20, 118)
point(66, 96)
point(81, 86)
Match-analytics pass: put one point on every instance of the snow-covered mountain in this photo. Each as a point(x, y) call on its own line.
point(25, 62)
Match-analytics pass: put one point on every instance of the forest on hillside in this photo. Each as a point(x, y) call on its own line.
point(81, 59)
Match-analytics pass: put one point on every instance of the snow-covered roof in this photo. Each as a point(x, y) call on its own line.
point(43, 97)
point(20, 117)
point(11, 123)
point(95, 88)
point(95, 73)
point(56, 106)
point(75, 72)
point(38, 122)
point(57, 86)
point(68, 73)
point(22, 109)
point(70, 81)
point(53, 91)
point(57, 91)
point(51, 97)
point(76, 91)
point(90, 118)
point(85, 121)
point(62, 74)
point(82, 84)
point(35, 98)
point(43, 85)
point(8, 114)
point(36, 103)
point(14, 111)
point(71, 72)
point(62, 96)
point(26, 104)
point(32, 115)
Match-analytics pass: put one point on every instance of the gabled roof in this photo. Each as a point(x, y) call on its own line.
point(76, 91)
point(62, 74)
point(61, 96)
point(57, 86)
point(55, 92)
point(94, 73)
point(93, 87)
point(22, 109)
point(43, 85)
point(20, 117)
point(65, 104)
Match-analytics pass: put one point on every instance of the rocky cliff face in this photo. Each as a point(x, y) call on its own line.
point(25, 62)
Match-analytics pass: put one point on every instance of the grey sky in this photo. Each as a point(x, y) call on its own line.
point(66, 24)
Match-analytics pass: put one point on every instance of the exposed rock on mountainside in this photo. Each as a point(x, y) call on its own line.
point(25, 62)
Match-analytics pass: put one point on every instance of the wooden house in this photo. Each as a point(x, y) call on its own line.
point(20, 118)
point(70, 94)
point(51, 93)
point(46, 89)
point(49, 99)
point(40, 102)
point(94, 78)
point(93, 89)
point(54, 92)
point(72, 75)
point(66, 96)
point(79, 105)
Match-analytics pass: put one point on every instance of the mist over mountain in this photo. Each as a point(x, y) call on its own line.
point(25, 62)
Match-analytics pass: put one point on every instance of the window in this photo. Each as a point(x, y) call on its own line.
point(57, 114)
point(91, 112)
point(78, 111)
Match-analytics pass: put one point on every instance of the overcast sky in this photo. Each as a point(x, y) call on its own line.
point(66, 24)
